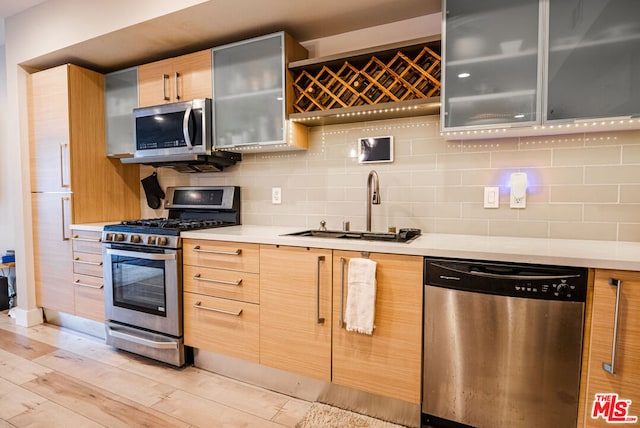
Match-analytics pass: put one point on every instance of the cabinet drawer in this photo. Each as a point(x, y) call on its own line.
point(87, 242)
point(89, 295)
point(221, 255)
point(222, 283)
point(87, 264)
point(224, 326)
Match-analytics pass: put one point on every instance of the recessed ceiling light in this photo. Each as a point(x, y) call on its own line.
point(464, 75)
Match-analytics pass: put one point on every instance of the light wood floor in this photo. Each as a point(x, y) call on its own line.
point(54, 377)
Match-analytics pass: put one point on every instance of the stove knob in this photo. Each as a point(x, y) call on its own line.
point(135, 239)
point(562, 290)
point(118, 237)
point(162, 240)
point(151, 240)
point(108, 237)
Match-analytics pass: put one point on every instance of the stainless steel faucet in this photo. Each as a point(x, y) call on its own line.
point(373, 195)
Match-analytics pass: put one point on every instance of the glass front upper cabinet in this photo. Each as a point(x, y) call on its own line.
point(121, 97)
point(593, 59)
point(492, 63)
point(249, 94)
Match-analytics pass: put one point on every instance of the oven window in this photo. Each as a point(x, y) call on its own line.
point(139, 284)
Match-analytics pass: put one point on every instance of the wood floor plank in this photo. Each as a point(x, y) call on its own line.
point(19, 370)
point(238, 395)
point(292, 412)
point(98, 405)
point(23, 346)
point(52, 415)
point(113, 379)
point(15, 400)
point(205, 413)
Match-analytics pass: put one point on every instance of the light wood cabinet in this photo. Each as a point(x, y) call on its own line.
point(72, 181)
point(52, 251)
point(389, 361)
point(295, 310)
point(221, 297)
point(181, 78)
point(625, 379)
point(88, 284)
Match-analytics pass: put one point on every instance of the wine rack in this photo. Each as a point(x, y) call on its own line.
point(402, 74)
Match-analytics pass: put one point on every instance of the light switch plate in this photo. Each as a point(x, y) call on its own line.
point(492, 197)
point(276, 195)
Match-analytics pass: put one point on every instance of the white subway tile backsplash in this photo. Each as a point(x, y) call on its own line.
point(521, 158)
point(584, 186)
point(587, 156)
point(584, 193)
point(526, 229)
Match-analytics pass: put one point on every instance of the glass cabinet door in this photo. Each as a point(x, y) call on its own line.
point(492, 61)
point(121, 97)
point(248, 92)
point(594, 59)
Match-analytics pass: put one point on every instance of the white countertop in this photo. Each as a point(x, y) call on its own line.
point(567, 252)
point(92, 227)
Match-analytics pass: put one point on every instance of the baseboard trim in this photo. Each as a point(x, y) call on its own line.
point(26, 317)
point(388, 409)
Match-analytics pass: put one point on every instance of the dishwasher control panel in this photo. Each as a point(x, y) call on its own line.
point(508, 279)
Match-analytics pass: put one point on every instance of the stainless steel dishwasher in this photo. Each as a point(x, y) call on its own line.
point(502, 344)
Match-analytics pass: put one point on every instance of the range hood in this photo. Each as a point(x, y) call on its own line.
point(189, 162)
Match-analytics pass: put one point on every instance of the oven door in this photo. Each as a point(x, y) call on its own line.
point(143, 287)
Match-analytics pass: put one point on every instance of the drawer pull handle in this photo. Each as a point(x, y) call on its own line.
point(165, 79)
point(84, 262)
point(77, 238)
point(237, 252)
point(610, 368)
point(84, 284)
point(197, 305)
point(197, 277)
point(342, 264)
point(319, 319)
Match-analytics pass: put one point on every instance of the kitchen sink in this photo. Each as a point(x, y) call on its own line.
point(404, 235)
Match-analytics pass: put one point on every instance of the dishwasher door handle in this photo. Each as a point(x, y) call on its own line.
point(459, 274)
point(611, 368)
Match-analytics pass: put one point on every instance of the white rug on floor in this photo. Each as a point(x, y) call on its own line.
point(325, 416)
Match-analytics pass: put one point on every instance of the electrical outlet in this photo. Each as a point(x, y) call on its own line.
point(518, 184)
point(276, 195)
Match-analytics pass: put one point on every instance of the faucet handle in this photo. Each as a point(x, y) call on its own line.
point(323, 225)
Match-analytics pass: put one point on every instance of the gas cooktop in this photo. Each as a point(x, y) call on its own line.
point(190, 208)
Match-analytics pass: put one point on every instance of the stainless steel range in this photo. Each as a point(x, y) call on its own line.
point(143, 270)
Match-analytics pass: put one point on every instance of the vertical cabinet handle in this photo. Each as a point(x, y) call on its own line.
point(342, 263)
point(606, 366)
point(64, 165)
point(165, 79)
point(63, 217)
point(319, 320)
point(176, 82)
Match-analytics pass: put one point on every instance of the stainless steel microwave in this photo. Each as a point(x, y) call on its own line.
point(173, 132)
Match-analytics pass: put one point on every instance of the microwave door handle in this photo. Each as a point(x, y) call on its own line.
point(185, 128)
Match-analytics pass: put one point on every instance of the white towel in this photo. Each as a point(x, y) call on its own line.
point(361, 296)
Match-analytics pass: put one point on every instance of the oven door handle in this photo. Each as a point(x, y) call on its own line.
point(140, 255)
point(142, 341)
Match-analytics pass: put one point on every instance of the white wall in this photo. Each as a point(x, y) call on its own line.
point(7, 235)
